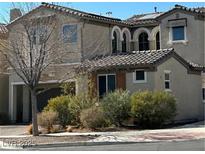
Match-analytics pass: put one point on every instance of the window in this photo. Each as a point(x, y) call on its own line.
point(178, 33)
point(106, 83)
point(143, 41)
point(124, 43)
point(114, 42)
point(39, 35)
point(157, 41)
point(139, 76)
point(167, 80)
point(70, 33)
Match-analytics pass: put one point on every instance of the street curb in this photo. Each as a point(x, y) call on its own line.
point(12, 147)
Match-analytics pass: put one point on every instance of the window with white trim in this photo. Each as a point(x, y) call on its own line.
point(106, 83)
point(167, 80)
point(178, 33)
point(70, 33)
point(38, 35)
point(140, 76)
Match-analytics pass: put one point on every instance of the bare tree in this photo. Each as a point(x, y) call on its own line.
point(30, 49)
point(33, 46)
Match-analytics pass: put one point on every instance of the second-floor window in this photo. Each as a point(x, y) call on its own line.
point(157, 41)
point(70, 33)
point(38, 35)
point(114, 42)
point(124, 43)
point(178, 33)
point(143, 41)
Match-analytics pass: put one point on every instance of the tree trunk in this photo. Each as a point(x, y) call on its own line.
point(34, 112)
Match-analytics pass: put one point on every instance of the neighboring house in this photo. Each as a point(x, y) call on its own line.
point(157, 51)
point(4, 77)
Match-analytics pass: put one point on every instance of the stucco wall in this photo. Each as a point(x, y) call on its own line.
point(185, 87)
point(192, 50)
point(133, 87)
point(96, 40)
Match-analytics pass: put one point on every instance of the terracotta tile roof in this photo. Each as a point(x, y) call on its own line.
point(195, 10)
point(148, 18)
point(198, 11)
point(133, 60)
point(82, 14)
point(3, 29)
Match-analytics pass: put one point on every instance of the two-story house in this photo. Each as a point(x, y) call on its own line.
point(157, 51)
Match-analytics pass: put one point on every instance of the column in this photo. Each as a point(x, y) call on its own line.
point(26, 104)
point(12, 102)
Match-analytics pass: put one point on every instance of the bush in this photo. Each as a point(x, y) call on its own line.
point(116, 106)
point(69, 108)
point(47, 119)
point(153, 109)
point(77, 104)
point(93, 118)
point(60, 105)
point(29, 129)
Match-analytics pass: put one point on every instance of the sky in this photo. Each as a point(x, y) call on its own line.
point(122, 10)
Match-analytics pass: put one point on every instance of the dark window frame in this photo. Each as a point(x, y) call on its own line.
point(157, 41)
point(107, 83)
point(138, 80)
point(114, 42)
point(124, 43)
point(143, 41)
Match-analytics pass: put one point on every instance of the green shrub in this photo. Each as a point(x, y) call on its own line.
point(60, 105)
point(69, 108)
point(47, 119)
point(77, 104)
point(116, 106)
point(68, 88)
point(153, 109)
point(93, 118)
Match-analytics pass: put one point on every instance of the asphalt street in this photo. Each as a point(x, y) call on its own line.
point(194, 145)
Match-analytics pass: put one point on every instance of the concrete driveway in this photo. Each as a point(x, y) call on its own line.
point(13, 130)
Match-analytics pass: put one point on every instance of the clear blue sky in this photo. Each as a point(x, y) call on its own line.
point(120, 10)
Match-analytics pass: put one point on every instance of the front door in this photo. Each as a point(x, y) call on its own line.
point(106, 83)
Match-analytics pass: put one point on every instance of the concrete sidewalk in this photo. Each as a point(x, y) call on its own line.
point(144, 135)
point(13, 130)
point(122, 137)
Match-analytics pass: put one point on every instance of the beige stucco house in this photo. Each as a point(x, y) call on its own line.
point(157, 51)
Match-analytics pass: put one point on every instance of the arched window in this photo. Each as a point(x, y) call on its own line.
point(124, 43)
point(157, 41)
point(143, 41)
point(114, 42)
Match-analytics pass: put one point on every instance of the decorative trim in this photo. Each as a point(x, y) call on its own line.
point(154, 31)
point(139, 31)
point(140, 81)
point(117, 29)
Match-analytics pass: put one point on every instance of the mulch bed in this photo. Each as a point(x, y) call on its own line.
point(40, 140)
